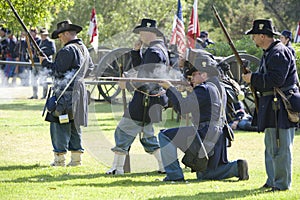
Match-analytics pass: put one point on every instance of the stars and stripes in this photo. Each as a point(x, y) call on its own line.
point(178, 32)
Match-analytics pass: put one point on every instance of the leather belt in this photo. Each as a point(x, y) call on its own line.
point(268, 93)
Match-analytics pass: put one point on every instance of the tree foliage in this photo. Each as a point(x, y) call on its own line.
point(116, 18)
point(37, 13)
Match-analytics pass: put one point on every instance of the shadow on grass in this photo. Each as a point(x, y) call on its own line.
point(216, 195)
point(126, 180)
point(20, 167)
point(21, 106)
point(69, 175)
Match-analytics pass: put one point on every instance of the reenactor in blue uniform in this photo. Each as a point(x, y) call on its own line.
point(148, 99)
point(71, 110)
point(3, 47)
point(48, 47)
point(10, 55)
point(3, 43)
point(206, 103)
point(277, 69)
point(22, 56)
point(286, 39)
point(34, 58)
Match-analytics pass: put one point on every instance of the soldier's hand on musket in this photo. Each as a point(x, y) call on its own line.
point(166, 84)
point(247, 77)
point(42, 58)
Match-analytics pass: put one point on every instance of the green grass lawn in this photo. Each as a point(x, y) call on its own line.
point(26, 152)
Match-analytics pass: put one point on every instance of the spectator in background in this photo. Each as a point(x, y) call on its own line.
point(286, 39)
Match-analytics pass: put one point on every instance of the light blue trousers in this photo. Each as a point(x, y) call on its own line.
point(65, 137)
point(171, 139)
point(126, 132)
point(278, 160)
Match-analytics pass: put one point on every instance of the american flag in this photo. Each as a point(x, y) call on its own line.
point(178, 33)
point(93, 30)
point(193, 28)
point(297, 35)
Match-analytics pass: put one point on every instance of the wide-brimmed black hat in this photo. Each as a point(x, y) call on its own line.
point(201, 60)
point(148, 25)
point(262, 26)
point(65, 26)
point(287, 34)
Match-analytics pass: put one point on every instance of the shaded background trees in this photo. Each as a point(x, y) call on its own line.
point(116, 19)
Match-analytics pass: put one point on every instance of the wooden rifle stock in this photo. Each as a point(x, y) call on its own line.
point(231, 44)
point(236, 54)
point(30, 51)
point(36, 46)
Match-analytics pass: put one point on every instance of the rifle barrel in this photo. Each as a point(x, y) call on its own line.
point(143, 80)
point(237, 56)
point(231, 44)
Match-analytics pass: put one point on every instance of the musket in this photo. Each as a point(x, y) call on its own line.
point(48, 96)
point(142, 80)
point(36, 46)
point(30, 52)
point(236, 54)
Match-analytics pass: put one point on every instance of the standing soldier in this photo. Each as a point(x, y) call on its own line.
point(277, 70)
point(145, 107)
point(3, 46)
point(49, 49)
point(72, 63)
point(10, 55)
point(35, 59)
point(286, 39)
point(22, 56)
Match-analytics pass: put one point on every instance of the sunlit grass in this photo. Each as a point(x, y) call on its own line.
point(26, 152)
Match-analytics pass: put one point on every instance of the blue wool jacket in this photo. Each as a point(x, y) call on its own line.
point(277, 69)
point(141, 104)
